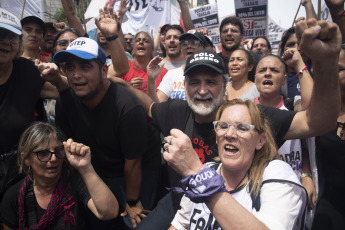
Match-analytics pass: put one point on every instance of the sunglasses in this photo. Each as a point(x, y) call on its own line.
point(46, 155)
point(129, 39)
point(64, 42)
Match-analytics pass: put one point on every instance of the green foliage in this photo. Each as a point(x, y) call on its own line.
point(60, 14)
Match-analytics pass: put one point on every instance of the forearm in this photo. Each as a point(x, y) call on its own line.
point(71, 15)
point(230, 214)
point(186, 18)
point(119, 58)
point(151, 89)
point(133, 179)
point(306, 84)
point(325, 102)
point(156, 42)
point(104, 201)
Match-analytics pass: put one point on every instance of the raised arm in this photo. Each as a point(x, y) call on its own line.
point(108, 26)
point(309, 9)
point(103, 203)
point(320, 40)
point(71, 15)
point(336, 8)
point(120, 14)
point(186, 18)
point(153, 71)
point(293, 59)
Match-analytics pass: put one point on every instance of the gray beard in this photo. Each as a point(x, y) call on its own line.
point(203, 110)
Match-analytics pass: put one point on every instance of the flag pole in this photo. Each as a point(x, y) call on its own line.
point(21, 17)
point(296, 14)
point(82, 12)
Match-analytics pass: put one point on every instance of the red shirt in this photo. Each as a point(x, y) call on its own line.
point(134, 73)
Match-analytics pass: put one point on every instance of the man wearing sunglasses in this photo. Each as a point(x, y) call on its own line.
point(172, 85)
point(129, 42)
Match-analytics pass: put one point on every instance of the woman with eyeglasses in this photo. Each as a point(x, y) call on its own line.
point(262, 191)
point(54, 195)
point(63, 39)
point(241, 62)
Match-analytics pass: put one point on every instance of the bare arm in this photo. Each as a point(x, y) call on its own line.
point(71, 15)
point(309, 9)
point(103, 203)
point(120, 14)
point(156, 40)
point(294, 60)
point(186, 18)
point(307, 181)
point(336, 8)
point(320, 40)
point(153, 70)
point(108, 27)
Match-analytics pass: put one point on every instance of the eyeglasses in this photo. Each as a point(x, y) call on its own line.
point(242, 129)
point(129, 39)
point(64, 42)
point(12, 37)
point(46, 155)
point(192, 43)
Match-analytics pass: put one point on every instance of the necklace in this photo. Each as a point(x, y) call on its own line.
point(341, 126)
point(245, 176)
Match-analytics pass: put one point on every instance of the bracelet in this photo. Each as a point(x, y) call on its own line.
point(301, 71)
point(338, 16)
point(306, 175)
point(201, 186)
point(132, 203)
point(112, 37)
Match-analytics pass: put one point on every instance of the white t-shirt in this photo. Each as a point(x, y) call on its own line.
point(291, 152)
point(283, 202)
point(172, 84)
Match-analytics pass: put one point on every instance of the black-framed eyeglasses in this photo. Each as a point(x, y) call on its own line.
point(64, 42)
point(242, 129)
point(192, 43)
point(46, 155)
point(12, 37)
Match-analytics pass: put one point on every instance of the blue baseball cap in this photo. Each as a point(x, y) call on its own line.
point(83, 48)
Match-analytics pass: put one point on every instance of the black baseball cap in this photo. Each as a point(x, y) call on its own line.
point(194, 34)
point(205, 58)
point(34, 19)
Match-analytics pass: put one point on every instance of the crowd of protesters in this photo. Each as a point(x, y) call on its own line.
point(131, 131)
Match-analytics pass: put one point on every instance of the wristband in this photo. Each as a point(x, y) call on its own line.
point(306, 175)
point(301, 71)
point(112, 37)
point(201, 186)
point(132, 203)
point(338, 16)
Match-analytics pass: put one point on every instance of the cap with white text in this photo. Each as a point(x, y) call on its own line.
point(205, 58)
point(83, 48)
point(10, 22)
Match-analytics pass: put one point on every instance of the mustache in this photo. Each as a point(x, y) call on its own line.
point(204, 97)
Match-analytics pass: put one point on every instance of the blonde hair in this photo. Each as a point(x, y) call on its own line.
point(268, 151)
point(38, 134)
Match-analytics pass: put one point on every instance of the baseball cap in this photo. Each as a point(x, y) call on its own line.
point(205, 58)
point(34, 19)
point(194, 34)
point(10, 22)
point(84, 48)
point(208, 40)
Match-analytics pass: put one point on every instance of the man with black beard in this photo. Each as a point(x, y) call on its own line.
point(231, 35)
point(172, 46)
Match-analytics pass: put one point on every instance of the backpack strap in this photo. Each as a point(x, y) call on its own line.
point(30, 206)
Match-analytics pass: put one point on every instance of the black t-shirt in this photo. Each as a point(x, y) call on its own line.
point(117, 129)
point(18, 97)
point(9, 205)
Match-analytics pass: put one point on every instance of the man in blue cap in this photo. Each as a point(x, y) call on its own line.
point(111, 120)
